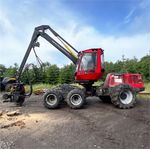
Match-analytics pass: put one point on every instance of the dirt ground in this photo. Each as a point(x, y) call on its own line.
point(97, 126)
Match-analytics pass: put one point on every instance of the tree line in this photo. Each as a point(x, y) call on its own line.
point(52, 74)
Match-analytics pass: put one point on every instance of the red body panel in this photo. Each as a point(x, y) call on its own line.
point(133, 80)
point(90, 75)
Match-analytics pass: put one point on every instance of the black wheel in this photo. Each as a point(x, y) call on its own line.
point(76, 98)
point(105, 99)
point(125, 98)
point(52, 99)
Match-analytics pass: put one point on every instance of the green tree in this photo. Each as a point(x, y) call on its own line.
point(2, 70)
point(131, 65)
point(67, 74)
point(144, 67)
point(11, 71)
point(119, 67)
point(52, 74)
point(109, 67)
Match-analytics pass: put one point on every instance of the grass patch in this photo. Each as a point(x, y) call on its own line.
point(147, 87)
point(143, 96)
point(38, 87)
point(42, 86)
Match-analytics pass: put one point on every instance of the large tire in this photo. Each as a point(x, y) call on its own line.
point(76, 98)
point(124, 97)
point(105, 99)
point(52, 99)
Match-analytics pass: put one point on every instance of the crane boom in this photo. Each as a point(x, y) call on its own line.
point(40, 31)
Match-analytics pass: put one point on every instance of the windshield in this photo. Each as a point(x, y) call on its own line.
point(88, 62)
point(102, 61)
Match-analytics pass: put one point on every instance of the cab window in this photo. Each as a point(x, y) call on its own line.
point(88, 62)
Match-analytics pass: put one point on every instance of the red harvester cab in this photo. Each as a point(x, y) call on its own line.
point(90, 66)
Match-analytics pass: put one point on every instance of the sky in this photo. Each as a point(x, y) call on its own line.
point(120, 27)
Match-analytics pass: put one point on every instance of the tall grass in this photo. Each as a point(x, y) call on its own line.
point(42, 86)
point(147, 87)
point(39, 87)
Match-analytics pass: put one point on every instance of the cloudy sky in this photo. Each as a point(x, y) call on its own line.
point(120, 27)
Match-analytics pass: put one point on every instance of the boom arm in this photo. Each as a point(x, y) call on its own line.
point(40, 31)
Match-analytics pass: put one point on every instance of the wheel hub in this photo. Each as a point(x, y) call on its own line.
point(123, 96)
point(51, 99)
point(76, 99)
point(126, 97)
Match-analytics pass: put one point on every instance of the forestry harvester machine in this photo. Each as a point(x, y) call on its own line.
point(118, 88)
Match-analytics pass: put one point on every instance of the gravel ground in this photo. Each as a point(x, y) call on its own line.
point(97, 126)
